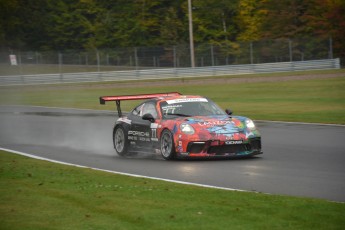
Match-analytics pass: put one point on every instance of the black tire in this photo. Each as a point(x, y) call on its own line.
point(120, 141)
point(167, 145)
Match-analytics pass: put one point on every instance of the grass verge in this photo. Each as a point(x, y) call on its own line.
point(312, 100)
point(36, 194)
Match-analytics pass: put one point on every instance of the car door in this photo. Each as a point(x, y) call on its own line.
point(141, 131)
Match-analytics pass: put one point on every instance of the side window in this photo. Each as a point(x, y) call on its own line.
point(149, 108)
point(137, 111)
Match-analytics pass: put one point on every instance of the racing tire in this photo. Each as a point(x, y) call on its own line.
point(120, 141)
point(167, 145)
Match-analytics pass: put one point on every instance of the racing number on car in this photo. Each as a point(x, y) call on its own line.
point(154, 131)
point(170, 109)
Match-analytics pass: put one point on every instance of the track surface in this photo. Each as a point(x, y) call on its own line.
point(299, 159)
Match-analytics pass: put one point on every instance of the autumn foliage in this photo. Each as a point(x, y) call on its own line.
point(90, 24)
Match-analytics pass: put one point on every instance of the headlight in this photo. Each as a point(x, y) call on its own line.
point(250, 124)
point(187, 129)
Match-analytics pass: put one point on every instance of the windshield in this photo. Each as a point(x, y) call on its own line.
point(187, 107)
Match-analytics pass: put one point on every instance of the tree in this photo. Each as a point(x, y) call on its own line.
point(71, 24)
point(326, 18)
point(8, 23)
point(174, 23)
point(249, 20)
point(91, 24)
point(23, 23)
point(214, 20)
point(283, 19)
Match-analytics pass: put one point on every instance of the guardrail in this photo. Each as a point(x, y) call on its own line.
point(169, 73)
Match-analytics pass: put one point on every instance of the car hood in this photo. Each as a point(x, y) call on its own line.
point(220, 125)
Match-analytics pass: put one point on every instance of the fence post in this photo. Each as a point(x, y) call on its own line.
point(98, 61)
point(175, 61)
point(20, 65)
point(212, 55)
point(174, 50)
point(136, 58)
point(136, 62)
point(36, 57)
point(87, 59)
point(251, 52)
point(60, 65)
point(290, 49)
point(330, 55)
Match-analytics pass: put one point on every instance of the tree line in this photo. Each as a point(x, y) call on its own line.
point(96, 24)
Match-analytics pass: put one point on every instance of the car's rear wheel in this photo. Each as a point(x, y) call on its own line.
point(120, 141)
point(167, 145)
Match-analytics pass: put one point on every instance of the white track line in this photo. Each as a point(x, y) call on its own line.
point(120, 173)
point(141, 176)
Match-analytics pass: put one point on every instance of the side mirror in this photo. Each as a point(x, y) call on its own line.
point(148, 117)
point(228, 111)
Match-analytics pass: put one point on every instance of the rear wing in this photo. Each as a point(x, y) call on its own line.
point(118, 99)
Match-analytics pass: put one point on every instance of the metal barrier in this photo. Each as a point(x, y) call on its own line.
point(169, 73)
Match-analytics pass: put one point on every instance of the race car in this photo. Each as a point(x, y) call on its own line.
point(182, 126)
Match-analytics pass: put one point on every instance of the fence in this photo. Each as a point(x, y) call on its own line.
point(141, 58)
point(169, 73)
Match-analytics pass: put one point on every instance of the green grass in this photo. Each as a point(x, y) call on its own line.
point(36, 194)
point(314, 100)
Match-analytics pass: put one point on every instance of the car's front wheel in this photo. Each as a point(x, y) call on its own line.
point(120, 141)
point(167, 145)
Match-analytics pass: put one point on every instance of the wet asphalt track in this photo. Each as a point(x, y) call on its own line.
point(299, 159)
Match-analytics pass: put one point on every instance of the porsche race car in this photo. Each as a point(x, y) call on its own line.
point(182, 126)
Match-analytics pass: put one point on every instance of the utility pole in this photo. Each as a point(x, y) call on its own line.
point(191, 39)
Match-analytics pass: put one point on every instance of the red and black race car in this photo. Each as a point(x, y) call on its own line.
point(182, 126)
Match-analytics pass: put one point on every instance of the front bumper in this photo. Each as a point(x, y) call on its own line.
point(217, 148)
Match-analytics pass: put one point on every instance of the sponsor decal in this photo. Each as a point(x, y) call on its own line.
point(144, 139)
point(183, 100)
point(138, 133)
point(214, 123)
point(154, 126)
point(171, 107)
point(234, 142)
point(125, 120)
